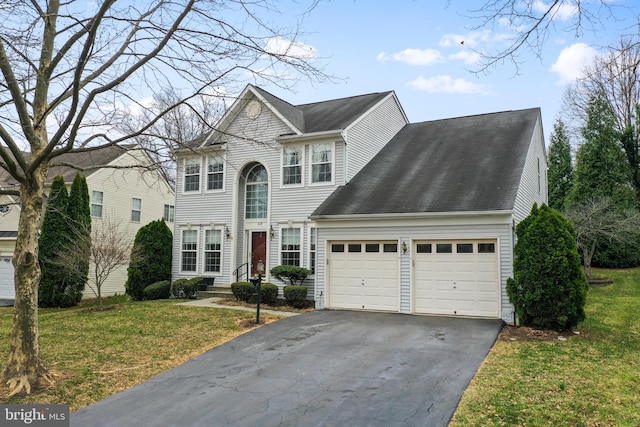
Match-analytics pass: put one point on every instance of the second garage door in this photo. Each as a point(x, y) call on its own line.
point(364, 275)
point(456, 278)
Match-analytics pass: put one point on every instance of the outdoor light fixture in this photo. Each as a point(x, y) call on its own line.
point(227, 233)
point(404, 247)
point(272, 232)
point(260, 267)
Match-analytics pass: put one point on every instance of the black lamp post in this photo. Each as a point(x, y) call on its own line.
point(257, 282)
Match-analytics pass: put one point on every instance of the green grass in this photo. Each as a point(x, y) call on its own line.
point(592, 379)
point(98, 353)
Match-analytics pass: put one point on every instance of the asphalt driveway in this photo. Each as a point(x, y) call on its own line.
point(326, 368)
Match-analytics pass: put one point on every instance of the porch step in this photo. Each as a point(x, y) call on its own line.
point(216, 292)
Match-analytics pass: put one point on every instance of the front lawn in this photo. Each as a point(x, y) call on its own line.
point(97, 353)
point(591, 379)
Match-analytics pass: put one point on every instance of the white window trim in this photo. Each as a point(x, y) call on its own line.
point(133, 209)
point(222, 157)
point(182, 229)
point(204, 251)
point(333, 164)
point(302, 166)
point(101, 204)
point(300, 251)
point(185, 163)
point(246, 184)
point(170, 211)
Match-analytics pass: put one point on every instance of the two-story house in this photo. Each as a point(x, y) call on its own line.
point(125, 190)
point(388, 215)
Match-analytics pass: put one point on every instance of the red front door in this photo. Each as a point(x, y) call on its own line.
point(258, 250)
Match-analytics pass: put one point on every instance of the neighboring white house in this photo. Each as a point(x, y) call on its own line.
point(389, 216)
point(123, 190)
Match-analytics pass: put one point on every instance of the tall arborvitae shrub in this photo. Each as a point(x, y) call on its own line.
point(79, 214)
point(548, 288)
point(55, 230)
point(150, 258)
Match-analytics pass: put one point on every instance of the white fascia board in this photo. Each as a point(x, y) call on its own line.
point(311, 136)
point(486, 217)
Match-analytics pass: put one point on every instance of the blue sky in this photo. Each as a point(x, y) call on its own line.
point(413, 48)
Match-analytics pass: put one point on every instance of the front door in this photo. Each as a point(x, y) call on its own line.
point(258, 250)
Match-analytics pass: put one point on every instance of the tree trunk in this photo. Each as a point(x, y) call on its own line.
point(587, 262)
point(25, 370)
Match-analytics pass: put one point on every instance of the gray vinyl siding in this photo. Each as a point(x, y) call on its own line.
point(498, 228)
point(533, 187)
point(372, 132)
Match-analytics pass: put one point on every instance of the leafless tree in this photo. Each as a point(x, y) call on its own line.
point(597, 220)
point(72, 71)
point(528, 24)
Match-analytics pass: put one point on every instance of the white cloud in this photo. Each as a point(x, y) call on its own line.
point(472, 39)
point(572, 60)
point(447, 84)
point(562, 11)
point(468, 57)
point(280, 46)
point(420, 57)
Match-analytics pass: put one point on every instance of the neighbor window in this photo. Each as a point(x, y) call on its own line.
point(189, 250)
point(321, 162)
point(292, 165)
point(215, 173)
point(212, 250)
point(290, 246)
point(96, 204)
point(312, 250)
point(192, 175)
point(136, 209)
point(169, 213)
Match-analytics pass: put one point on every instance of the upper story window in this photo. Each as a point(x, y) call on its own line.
point(192, 175)
point(169, 213)
point(257, 194)
point(321, 163)
point(215, 173)
point(96, 203)
point(136, 209)
point(292, 165)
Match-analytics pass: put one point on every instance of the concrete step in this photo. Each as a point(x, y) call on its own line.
point(216, 292)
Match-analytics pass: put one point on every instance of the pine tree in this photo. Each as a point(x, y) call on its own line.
point(150, 258)
point(560, 166)
point(79, 214)
point(55, 229)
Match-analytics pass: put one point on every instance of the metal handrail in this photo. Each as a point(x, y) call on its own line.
point(239, 275)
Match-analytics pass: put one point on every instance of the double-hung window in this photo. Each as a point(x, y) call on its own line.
point(212, 250)
point(96, 204)
point(321, 162)
point(292, 165)
point(215, 173)
point(192, 175)
point(312, 250)
point(189, 250)
point(136, 209)
point(290, 246)
point(169, 213)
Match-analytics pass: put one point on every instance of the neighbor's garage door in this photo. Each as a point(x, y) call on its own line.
point(7, 288)
point(363, 275)
point(456, 278)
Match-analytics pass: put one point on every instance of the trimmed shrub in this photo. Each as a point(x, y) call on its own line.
point(291, 273)
point(158, 290)
point(243, 291)
point(269, 293)
point(548, 289)
point(296, 296)
point(150, 258)
point(185, 288)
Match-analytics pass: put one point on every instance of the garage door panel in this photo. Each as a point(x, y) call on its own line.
point(364, 280)
point(454, 283)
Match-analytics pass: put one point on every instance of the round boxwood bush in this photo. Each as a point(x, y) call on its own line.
point(269, 293)
point(158, 290)
point(243, 291)
point(185, 288)
point(296, 296)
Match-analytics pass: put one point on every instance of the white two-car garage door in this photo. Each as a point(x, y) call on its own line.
point(7, 288)
point(364, 275)
point(456, 278)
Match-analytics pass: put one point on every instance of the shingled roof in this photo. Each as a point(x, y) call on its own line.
point(463, 164)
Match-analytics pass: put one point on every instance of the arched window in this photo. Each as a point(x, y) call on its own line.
point(257, 194)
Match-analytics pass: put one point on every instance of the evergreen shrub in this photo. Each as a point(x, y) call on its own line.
point(296, 296)
point(158, 290)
